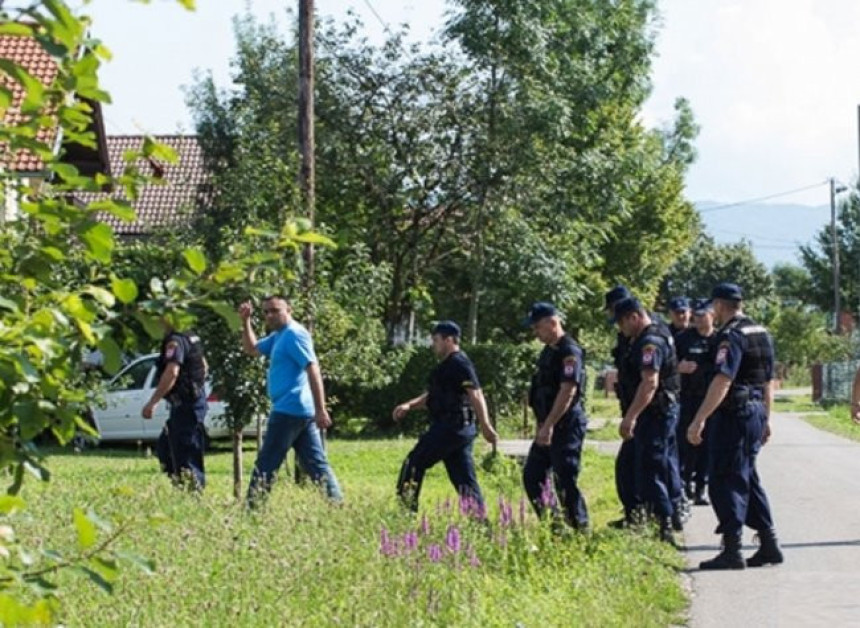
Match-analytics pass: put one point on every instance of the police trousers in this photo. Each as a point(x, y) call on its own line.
point(447, 443)
point(694, 458)
point(644, 466)
point(181, 443)
point(561, 460)
point(734, 441)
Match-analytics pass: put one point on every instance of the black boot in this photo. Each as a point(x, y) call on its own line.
point(729, 558)
point(666, 534)
point(700, 499)
point(768, 552)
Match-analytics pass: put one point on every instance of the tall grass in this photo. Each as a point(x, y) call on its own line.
point(302, 561)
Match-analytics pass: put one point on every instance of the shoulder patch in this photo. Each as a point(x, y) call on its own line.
point(170, 349)
point(569, 366)
point(722, 352)
point(649, 351)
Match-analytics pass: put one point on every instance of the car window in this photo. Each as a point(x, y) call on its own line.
point(134, 377)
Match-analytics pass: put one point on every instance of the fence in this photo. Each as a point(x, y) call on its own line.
point(832, 381)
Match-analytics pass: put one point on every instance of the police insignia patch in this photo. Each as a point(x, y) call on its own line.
point(722, 352)
point(648, 354)
point(170, 350)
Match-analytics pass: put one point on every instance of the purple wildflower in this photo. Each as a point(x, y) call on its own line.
point(473, 557)
point(410, 541)
point(452, 539)
point(387, 547)
point(434, 553)
point(547, 497)
point(506, 514)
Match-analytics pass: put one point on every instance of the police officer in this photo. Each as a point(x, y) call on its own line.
point(555, 396)
point(679, 312)
point(181, 374)
point(693, 347)
point(453, 400)
point(738, 403)
point(649, 386)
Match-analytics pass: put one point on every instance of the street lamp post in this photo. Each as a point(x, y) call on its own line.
point(835, 188)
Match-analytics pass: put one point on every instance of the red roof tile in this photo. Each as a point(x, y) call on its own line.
point(186, 184)
point(29, 54)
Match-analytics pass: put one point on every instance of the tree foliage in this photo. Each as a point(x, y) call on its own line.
point(817, 259)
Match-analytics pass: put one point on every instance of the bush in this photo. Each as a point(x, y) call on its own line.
point(503, 369)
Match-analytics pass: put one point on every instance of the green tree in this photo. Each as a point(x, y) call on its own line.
point(793, 284)
point(707, 263)
point(817, 259)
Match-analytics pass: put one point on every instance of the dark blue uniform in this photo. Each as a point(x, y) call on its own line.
point(693, 347)
point(451, 432)
point(558, 364)
point(644, 463)
point(181, 444)
point(744, 354)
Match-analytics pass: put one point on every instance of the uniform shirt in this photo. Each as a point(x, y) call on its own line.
point(449, 383)
point(692, 346)
point(290, 351)
point(734, 345)
point(649, 352)
point(557, 364)
point(176, 349)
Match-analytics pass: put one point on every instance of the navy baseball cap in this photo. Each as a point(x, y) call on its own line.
point(625, 306)
point(446, 328)
point(728, 291)
point(703, 305)
point(679, 304)
point(539, 311)
point(615, 295)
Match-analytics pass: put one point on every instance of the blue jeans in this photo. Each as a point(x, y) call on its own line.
point(282, 432)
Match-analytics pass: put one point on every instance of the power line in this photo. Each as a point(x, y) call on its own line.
point(765, 198)
point(378, 17)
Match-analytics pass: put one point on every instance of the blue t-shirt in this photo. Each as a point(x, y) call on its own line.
point(290, 350)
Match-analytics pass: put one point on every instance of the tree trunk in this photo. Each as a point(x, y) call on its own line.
point(237, 463)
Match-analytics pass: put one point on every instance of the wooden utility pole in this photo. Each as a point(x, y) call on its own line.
point(307, 174)
point(835, 244)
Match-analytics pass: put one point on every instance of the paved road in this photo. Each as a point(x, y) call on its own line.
point(813, 481)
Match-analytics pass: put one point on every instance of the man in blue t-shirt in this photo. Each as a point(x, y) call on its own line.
point(295, 387)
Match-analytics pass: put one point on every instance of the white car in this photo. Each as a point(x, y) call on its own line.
point(119, 418)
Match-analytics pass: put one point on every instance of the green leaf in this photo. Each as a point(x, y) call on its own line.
point(86, 529)
point(151, 325)
point(99, 241)
point(98, 579)
point(227, 312)
point(105, 297)
point(112, 354)
point(188, 4)
point(5, 98)
point(123, 289)
point(146, 565)
point(195, 259)
point(16, 28)
point(121, 209)
point(161, 152)
point(313, 238)
point(10, 504)
point(8, 304)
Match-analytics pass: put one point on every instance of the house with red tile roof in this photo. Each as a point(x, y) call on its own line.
point(27, 53)
point(179, 190)
point(170, 201)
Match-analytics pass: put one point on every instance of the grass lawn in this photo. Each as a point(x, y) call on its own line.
point(301, 561)
point(837, 420)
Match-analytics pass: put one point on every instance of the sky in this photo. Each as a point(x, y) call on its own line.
point(771, 83)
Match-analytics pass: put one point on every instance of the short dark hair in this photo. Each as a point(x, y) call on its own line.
point(278, 296)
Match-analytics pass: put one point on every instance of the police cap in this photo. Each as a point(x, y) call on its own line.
point(727, 291)
point(615, 295)
point(625, 306)
point(679, 304)
point(539, 311)
point(703, 305)
point(446, 329)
